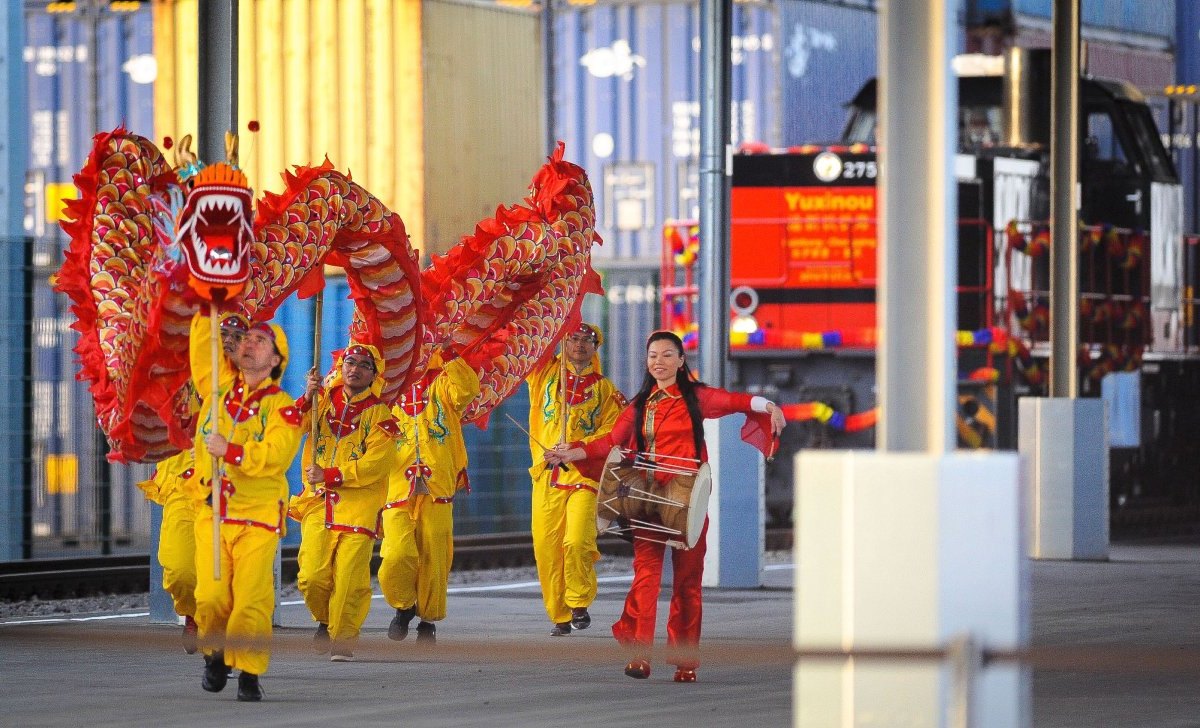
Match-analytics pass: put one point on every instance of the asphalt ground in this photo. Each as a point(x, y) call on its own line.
point(1118, 644)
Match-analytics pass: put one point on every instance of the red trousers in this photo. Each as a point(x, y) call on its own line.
point(635, 628)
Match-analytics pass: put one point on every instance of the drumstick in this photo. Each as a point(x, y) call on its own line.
point(532, 439)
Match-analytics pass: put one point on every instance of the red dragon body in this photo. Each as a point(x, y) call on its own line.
point(504, 296)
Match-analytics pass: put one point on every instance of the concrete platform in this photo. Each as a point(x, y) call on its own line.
point(495, 664)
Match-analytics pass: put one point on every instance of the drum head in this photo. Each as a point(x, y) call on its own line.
point(605, 515)
point(698, 507)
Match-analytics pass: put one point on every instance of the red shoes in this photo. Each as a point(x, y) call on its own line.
point(639, 669)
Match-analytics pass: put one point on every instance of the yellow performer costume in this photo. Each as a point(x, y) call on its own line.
point(170, 488)
point(177, 536)
point(564, 501)
point(340, 516)
point(418, 519)
point(262, 428)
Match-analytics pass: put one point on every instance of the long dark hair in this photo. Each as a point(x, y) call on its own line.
point(687, 384)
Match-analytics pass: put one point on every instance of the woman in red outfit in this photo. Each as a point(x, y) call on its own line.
point(666, 418)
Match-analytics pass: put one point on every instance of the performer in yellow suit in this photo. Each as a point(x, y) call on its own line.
point(169, 488)
point(340, 510)
point(564, 501)
point(418, 519)
point(254, 432)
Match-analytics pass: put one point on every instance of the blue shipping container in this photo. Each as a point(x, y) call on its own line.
point(1135, 16)
point(81, 79)
point(829, 52)
point(626, 102)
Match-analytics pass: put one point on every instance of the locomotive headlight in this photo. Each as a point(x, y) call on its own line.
point(743, 325)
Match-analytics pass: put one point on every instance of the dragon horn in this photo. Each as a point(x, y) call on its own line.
point(183, 152)
point(231, 148)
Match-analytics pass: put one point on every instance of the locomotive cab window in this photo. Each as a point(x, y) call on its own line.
point(1102, 144)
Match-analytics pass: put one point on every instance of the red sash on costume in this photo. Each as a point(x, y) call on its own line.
point(226, 490)
point(331, 499)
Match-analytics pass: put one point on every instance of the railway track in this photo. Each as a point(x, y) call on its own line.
point(130, 573)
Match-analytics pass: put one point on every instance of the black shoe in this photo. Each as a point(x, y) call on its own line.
point(398, 629)
point(580, 619)
point(561, 629)
point(321, 639)
point(426, 633)
point(249, 691)
point(215, 676)
point(189, 635)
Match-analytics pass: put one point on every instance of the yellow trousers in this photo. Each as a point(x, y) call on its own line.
point(177, 554)
point(418, 548)
point(239, 605)
point(564, 546)
point(335, 576)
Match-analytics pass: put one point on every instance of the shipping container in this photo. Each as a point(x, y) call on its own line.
point(83, 74)
point(627, 104)
point(1126, 17)
point(828, 53)
point(427, 103)
point(627, 314)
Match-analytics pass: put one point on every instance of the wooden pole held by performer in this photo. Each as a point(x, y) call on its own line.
point(318, 313)
point(215, 394)
point(565, 409)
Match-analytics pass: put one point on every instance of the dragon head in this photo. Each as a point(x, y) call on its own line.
point(215, 230)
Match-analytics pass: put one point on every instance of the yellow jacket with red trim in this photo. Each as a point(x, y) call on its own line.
point(355, 446)
point(170, 479)
point(262, 426)
point(429, 416)
point(594, 403)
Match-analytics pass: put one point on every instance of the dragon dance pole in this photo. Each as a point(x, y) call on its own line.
point(318, 313)
point(562, 390)
point(562, 394)
point(215, 398)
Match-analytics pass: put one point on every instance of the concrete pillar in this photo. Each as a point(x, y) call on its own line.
point(905, 550)
point(1064, 445)
point(736, 510)
point(162, 607)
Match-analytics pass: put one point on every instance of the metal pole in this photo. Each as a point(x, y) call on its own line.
point(715, 170)
point(548, 74)
point(1064, 209)
point(918, 238)
point(218, 28)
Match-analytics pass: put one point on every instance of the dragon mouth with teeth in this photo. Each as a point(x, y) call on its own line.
point(215, 233)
